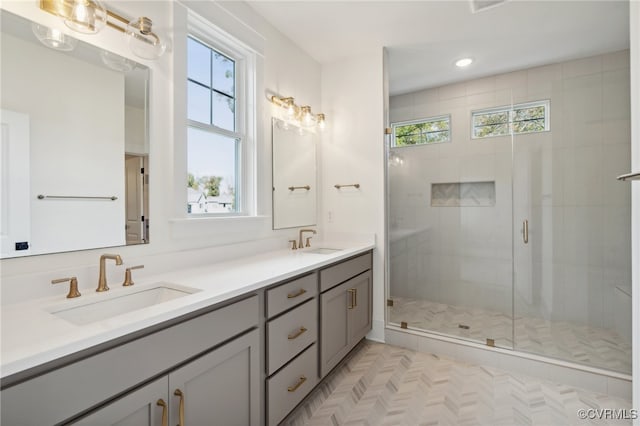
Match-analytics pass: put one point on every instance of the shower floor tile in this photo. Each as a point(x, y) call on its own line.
point(381, 384)
point(592, 346)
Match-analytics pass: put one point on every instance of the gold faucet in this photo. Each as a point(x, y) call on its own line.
point(301, 243)
point(102, 280)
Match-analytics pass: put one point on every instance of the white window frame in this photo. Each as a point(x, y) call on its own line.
point(446, 117)
point(510, 109)
point(245, 114)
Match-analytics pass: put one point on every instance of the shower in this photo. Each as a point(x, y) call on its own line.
point(506, 224)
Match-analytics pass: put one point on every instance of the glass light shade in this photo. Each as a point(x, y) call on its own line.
point(283, 125)
point(395, 160)
point(142, 41)
point(322, 123)
point(53, 38)
point(307, 119)
point(84, 16)
point(117, 62)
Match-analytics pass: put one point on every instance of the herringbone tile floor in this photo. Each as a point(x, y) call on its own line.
point(386, 385)
point(593, 346)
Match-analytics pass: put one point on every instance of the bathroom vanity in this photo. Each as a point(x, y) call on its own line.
point(243, 353)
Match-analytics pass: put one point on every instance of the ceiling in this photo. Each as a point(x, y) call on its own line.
point(424, 38)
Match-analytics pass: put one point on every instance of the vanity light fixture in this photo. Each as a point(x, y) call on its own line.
point(298, 116)
point(321, 121)
point(90, 16)
point(464, 62)
point(54, 38)
point(84, 16)
point(117, 62)
point(307, 118)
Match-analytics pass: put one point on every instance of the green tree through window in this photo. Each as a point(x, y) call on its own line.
point(427, 131)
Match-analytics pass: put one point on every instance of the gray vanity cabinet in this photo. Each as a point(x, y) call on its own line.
point(220, 387)
point(345, 310)
point(138, 408)
point(291, 345)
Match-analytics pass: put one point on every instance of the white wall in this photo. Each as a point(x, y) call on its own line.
point(576, 266)
point(352, 152)
point(635, 165)
point(61, 132)
point(286, 70)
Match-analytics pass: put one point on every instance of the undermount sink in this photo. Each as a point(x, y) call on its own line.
point(322, 250)
point(102, 307)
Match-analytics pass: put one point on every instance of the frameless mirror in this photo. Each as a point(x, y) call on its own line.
point(294, 176)
point(74, 157)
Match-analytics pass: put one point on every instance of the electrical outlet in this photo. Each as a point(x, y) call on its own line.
point(329, 217)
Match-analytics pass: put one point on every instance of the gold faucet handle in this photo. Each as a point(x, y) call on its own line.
point(294, 245)
point(308, 243)
point(127, 275)
point(73, 286)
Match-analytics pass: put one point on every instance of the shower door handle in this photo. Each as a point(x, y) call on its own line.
point(525, 231)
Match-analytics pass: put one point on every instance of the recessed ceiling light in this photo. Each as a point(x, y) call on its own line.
point(464, 62)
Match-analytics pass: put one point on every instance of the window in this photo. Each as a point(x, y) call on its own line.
point(521, 118)
point(215, 133)
point(421, 132)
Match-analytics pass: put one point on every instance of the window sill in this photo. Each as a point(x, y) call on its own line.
point(226, 225)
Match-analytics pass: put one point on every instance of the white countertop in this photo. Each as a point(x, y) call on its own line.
point(32, 336)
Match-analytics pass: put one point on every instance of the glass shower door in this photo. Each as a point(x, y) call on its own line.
point(572, 218)
point(449, 216)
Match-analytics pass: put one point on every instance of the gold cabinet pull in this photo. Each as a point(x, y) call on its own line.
point(296, 294)
point(179, 393)
point(297, 385)
point(355, 297)
point(351, 292)
point(165, 411)
point(296, 334)
point(525, 231)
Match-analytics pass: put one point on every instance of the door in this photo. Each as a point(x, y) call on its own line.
point(134, 169)
point(334, 332)
point(360, 314)
point(15, 218)
point(143, 407)
point(219, 388)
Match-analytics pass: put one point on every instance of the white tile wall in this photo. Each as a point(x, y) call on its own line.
point(579, 214)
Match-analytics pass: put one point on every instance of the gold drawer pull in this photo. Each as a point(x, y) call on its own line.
point(352, 302)
point(179, 393)
point(297, 385)
point(165, 408)
point(294, 295)
point(296, 334)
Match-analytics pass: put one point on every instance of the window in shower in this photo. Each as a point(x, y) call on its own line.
point(422, 132)
point(520, 118)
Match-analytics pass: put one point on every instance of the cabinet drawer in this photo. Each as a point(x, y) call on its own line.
point(293, 293)
point(59, 394)
point(341, 272)
point(291, 333)
point(287, 388)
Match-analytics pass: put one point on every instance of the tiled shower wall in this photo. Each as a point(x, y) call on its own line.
point(576, 266)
